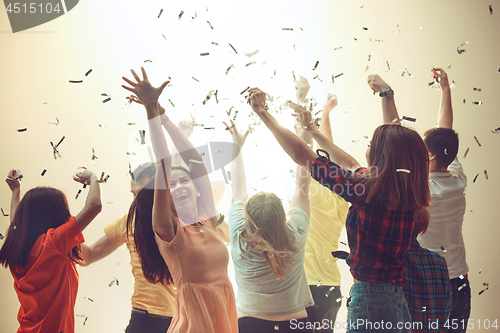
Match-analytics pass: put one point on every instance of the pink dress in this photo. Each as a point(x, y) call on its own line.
point(197, 260)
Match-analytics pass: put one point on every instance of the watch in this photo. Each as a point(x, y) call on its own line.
point(388, 93)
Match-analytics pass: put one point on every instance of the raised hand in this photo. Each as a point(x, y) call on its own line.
point(302, 88)
point(238, 137)
point(441, 78)
point(377, 84)
point(304, 116)
point(13, 181)
point(330, 104)
point(257, 100)
point(143, 90)
point(83, 175)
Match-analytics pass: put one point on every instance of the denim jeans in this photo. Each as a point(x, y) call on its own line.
point(377, 307)
point(326, 307)
point(460, 307)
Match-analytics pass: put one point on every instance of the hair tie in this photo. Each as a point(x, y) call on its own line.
point(403, 170)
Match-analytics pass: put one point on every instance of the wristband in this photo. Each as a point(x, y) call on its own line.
point(388, 93)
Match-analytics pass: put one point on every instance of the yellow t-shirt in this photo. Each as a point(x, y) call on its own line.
point(154, 298)
point(328, 215)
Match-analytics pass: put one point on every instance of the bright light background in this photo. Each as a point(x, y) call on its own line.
point(111, 37)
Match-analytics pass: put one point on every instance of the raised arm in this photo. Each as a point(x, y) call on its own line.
point(389, 110)
point(294, 146)
point(238, 176)
point(163, 218)
point(100, 249)
point(337, 155)
point(15, 186)
point(186, 127)
point(93, 204)
point(300, 197)
point(445, 117)
point(326, 128)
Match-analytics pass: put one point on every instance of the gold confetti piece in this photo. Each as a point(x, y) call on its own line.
point(477, 141)
point(148, 60)
point(204, 54)
point(251, 54)
point(210, 24)
point(227, 70)
point(287, 29)
point(215, 43)
point(466, 152)
point(164, 36)
point(250, 63)
point(337, 48)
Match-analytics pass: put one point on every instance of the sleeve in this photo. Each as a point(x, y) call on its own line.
point(236, 220)
point(456, 169)
point(117, 231)
point(338, 180)
point(298, 222)
point(66, 236)
point(177, 244)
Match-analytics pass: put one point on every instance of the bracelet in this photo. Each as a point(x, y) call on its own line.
point(388, 93)
point(221, 219)
point(306, 127)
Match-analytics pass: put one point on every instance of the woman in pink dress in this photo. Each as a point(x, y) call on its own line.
point(180, 214)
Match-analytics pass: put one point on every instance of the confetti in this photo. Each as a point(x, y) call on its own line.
point(3, 212)
point(365, 28)
point(409, 119)
point(161, 11)
point(338, 300)
point(466, 152)
point(244, 91)
point(200, 125)
point(113, 282)
point(287, 29)
point(56, 123)
point(209, 128)
point(477, 141)
point(475, 178)
point(250, 63)
point(103, 126)
point(316, 65)
point(195, 161)
point(54, 147)
point(215, 43)
point(379, 40)
point(340, 254)
point(477, 103)
point(21, 130)
point(79, 191)
point(276, 327)
point(72, 81)
point(476, 89)
point(227, 70)
point(363, 6)
point(45, 171)
point(90, 299)
point(459, 50)
point(424, 309)
point(482, 291)
point(107, 100)
point(210, 24)
point(486, 174)
point(229, 175)
point(338, 75)
point(93, 154)
point(464, 100)
point(204, 54)
point(148, 60)
point(233, 48)
point(207, 98)
point(251, 54)
point(195, 79)
point(171, 103)
point(443, 249)
point(180, 14)
point(85, 320)
point(46, 103)
point(317, 77)
point(496, 131)
point(461, 277)
point(337, 48)
point(164, 36)
point(329, 291)
point(319, 283)
point(235, 115)
point(88, 72)
point(132, 154)
point(491, 9)
point(403, 170)
point(485, 284)
point(130, 124)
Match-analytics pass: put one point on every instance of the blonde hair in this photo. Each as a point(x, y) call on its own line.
point(266, 231)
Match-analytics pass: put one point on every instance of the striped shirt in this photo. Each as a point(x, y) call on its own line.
point(427, 289)
point(378, 237)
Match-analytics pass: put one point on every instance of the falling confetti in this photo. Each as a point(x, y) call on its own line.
point(486, 174)
point(474, 180)
point(204, 54)
point(477, 141)
point(227, 70)
point(477, 103)
point(161, 11)
point(56, 123)
point(329, 291)
point(443, 249)
point(287, 29)
point(171, 103)
point(476, 89)
point(180, 14)
point(88, 72)
point(45, 171)
point(233, 48)
point(409, 119)
point(3, 212)
point(72, 81)
point(250, 63)
point(210, 24)
point(496, 130)
point(315, 65)
point(107, 100)
point(78, 194)
point(88, 298)
point(491, 9)
point(466, 152)
point(207, 98)
point(21, 130)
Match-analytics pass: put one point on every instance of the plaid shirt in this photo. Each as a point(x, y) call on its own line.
point(378, 237)
point(427, 289)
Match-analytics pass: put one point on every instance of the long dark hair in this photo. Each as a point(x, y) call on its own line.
point(153, 265)
point(394, 147)
point(41, 209)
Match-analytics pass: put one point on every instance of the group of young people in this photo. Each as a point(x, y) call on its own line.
point(403, 214)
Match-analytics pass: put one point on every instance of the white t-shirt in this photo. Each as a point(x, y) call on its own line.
point(447, 210)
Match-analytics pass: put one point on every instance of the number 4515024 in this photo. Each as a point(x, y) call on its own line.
point(470, 324)
point(32, 8)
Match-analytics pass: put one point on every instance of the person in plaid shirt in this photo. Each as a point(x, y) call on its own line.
point(426, 286)
point(385, 199)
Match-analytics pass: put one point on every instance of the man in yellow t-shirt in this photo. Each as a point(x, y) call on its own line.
point(152, 304)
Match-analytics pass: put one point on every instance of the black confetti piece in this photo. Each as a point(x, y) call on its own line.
point(443, 249)
point(486, 174)
point(476, 89)
point(477, 103)
point(244, 91)
point(409, 119)
point(88, 72)
point(180, 14)
point(339, 75)
point(227, 70)
point(79, 191)
point(73, 81)
point(1, 236)
point(491, 9)
point(161, 11)
point(365, 28)
point(477, 141)
point(496, 130)
point(45, 171)
point(233, 48)
point(475, 178)
point(107, 100)
point(316, 65)
point(21, 130)
point(3, 212)
point(205, 54)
